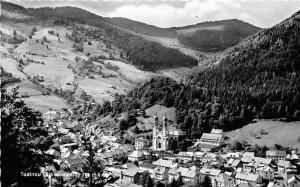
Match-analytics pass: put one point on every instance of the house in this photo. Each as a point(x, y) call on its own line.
point(185, 156)
point(247, 178)
point(141, 143)
point(135, 155)
point(223, 180)
point(267, 173)
point(161, 173)
point(233, 155)
point(175, 133)
point(249, 155)
point(283, 165)
point(122, 183)
point(263, 161)
point(129, 173)
point(148, 167)
point(276, 155)
point(212, 173)
point(212, 139)
point(112, 171)
point(293, 156)
point(246, 160)
point(234, 163)
point(163, 163)
point(192, 175)
point(128, 166)
point(107, 157)
point(294, 181)
point(189, 175)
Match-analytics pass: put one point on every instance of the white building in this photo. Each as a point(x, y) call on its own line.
point(247, 178)
point(160, 137)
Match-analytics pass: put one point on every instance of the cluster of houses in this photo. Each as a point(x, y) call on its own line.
point(242, 169)
point(224, 170)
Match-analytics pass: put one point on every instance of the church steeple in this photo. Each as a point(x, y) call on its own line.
point(155, 124)
point(165, 121)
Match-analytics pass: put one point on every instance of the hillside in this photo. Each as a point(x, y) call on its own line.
point(259, 78)
point(140, 52)
point(268, 132)
point(205, 37)
point(215, 36)
point(59, 63)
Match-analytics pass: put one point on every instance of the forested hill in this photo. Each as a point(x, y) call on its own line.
point(144, 54)
point(215, 35)
point(258, 78)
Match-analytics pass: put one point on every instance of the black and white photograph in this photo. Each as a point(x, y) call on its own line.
point(150, 93)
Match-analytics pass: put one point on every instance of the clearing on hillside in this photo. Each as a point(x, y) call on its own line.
point(268, 132)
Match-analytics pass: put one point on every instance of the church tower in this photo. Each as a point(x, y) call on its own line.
point(154, 141)
point(165, 139)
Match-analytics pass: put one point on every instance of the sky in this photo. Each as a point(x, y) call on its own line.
point(173, 13)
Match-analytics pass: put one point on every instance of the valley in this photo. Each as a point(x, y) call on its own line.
point(88, 100)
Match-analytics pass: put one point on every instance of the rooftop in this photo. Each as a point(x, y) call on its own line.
point(211, 137)
point(131, 171)
point(148, 165)
point(262, 160)
point(283, 163)
point(208, 171)
point(247, 176)
point(163, 162)
point(276, 153)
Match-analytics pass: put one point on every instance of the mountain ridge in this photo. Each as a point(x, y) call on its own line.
point(146, 29)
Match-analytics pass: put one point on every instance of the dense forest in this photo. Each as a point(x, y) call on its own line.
point(257, 79)
point(146, 54)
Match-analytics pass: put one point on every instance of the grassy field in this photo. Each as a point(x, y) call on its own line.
point(54, 71)
point(274, 132)
point(44, 103)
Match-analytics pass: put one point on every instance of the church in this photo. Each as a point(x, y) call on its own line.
point(162, 136)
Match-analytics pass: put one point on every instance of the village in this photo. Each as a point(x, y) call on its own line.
point(149, 162)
